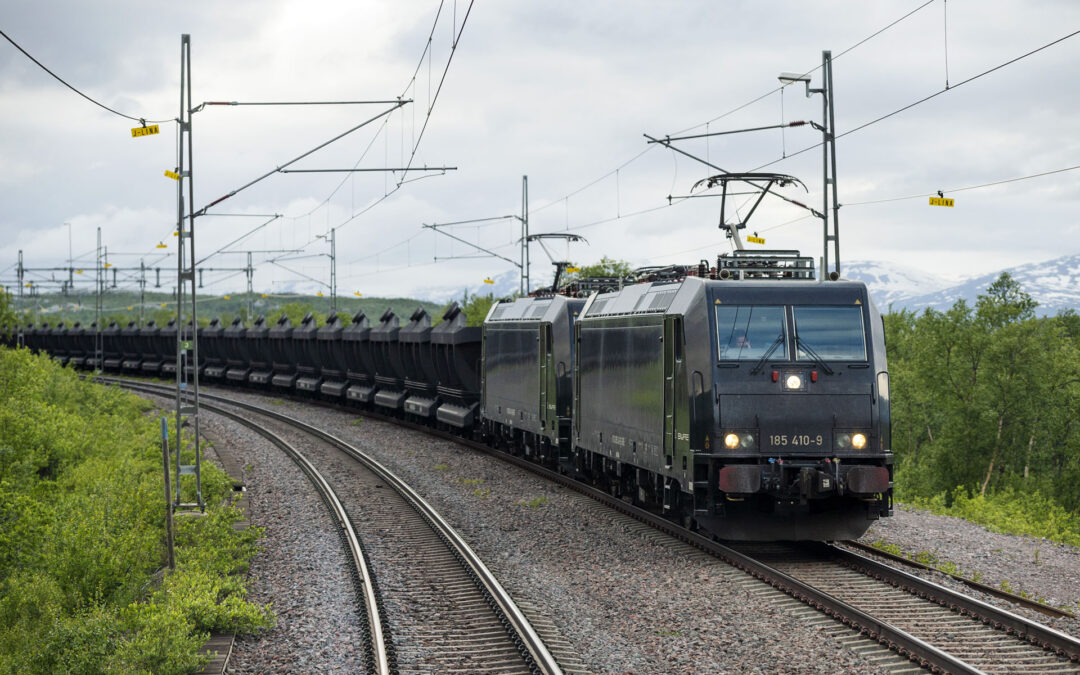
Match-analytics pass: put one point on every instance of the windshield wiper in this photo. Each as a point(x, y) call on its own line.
point(801, 344)
point(765, 357)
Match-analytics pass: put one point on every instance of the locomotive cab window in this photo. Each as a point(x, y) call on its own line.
point(829, 334)
point(749, 333)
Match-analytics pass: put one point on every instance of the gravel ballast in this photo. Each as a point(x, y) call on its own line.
point(1040, 568)
point(302, 568)
point(624, 599)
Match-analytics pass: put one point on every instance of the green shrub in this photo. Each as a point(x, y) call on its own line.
point(1009, 511)
point(82, 535)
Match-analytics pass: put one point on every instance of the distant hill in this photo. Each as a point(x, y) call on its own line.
point(1054, 284)
point(54, 307)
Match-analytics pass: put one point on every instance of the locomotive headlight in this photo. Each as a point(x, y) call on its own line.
point(793, 382)
point(747, 442)
point(731, 441)
point(858, 441)
point(843, 441)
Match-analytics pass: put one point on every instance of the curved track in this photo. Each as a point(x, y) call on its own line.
point(454, 601)
point(379, 659)
point(937, 628)
point(1025, 645)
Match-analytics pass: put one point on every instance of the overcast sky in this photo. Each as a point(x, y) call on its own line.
point(559, 91)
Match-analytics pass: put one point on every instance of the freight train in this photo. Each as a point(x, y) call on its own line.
point(747, 400)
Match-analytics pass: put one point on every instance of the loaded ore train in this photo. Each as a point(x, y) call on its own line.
point(748, 400)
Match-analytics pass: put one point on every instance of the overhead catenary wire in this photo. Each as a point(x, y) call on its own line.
point(382, 130)
point(442, 80)
point(72, 88)
point(730, 112)
point(934, 95)
point(964, 189)
point(426, 53)
point(808, 72)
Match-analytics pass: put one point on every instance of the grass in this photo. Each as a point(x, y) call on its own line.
point(926, 558)
point(1009, 512)
point(534, 503)
point(948, 567)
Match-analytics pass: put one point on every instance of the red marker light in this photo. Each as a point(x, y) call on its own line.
point(776, 376)
point(813, 376)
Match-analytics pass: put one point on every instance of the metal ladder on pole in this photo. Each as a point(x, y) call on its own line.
point(187, 333)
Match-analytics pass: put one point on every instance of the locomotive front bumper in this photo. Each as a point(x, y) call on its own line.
point(827, 478)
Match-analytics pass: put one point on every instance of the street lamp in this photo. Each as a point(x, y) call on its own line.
point(828, 145)
point(792, 78)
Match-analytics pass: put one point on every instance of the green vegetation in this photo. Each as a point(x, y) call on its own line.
point(55, 307)
point(1008, 510)
point(606, 267)
point(923, 557)
point(7, 312)
point(476, 308)
point(82, 584)
point(986, 413)
point(534, 503)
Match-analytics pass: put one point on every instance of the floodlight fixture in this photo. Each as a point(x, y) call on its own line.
point(792, 78)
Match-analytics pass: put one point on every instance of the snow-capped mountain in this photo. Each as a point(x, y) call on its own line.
point(1054, 284)
point(503, 285)
point(890, 283)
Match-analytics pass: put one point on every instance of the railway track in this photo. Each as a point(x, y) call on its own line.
point(954, 634)
point(378, 657)
point(937, 628)
point(976, 637)
point(445, 610)
point(982, 588)
point(970, 636)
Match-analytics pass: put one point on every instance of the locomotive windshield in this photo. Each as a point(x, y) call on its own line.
point(829, 334)
point(751, 332)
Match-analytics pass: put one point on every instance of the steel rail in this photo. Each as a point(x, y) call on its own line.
point(1048, 610)
point(1033, 631)
point(896, 639)
point(375, 626)
point(381, 661)
point(539, 657)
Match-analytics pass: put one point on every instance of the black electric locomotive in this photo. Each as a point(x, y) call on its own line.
point(747, 400)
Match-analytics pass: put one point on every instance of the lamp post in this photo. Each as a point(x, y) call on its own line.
point(828, 159)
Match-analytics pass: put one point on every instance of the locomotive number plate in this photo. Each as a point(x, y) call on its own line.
point(796, 440)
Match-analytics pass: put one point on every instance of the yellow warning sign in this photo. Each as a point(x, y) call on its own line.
point(755, 240)
point(172, 174)
point(489, 281)
point(572, 270)
point(941, 201)
point(148, 130)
